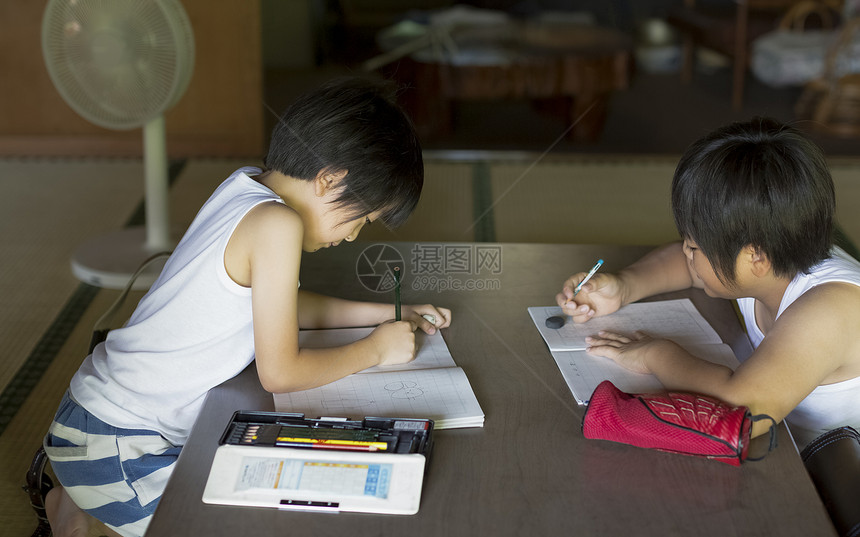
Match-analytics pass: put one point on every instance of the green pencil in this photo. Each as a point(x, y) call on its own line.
point(396, 293)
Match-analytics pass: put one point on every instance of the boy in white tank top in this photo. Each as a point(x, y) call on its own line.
point(754, 203)
point(340, 158)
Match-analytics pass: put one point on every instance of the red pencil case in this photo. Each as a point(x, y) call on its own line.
point(685, 423)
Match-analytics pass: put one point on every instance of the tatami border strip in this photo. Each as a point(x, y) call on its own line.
point(43, 353)
point(482, 194)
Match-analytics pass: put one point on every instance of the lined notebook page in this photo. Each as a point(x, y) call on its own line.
point(678, 320)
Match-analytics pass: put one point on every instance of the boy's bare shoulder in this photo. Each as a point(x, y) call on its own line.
point(272, 218)
point(842, 297)
point(829, 315)
point(273, 209)
point(820, 324)
point(262, 234)
point(831, 307)
point(843, 300)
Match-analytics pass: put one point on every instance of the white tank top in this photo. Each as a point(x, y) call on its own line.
point(831, 405)
point(191, 332)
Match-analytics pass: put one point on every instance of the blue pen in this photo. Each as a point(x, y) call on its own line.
point(588, 276)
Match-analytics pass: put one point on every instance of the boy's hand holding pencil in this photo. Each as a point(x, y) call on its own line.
point(592, 294)
point(426, 317)
point(395, 339)
point(394, 342)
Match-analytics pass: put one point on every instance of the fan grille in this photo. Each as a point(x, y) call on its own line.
point(118, 63)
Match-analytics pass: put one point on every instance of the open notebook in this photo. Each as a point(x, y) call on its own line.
point(678, 320)
point(430, 387)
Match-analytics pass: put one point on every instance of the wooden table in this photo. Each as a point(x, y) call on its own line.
point(528, 471)
point(571, 70)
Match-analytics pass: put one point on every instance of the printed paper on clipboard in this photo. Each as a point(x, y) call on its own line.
point(315, 480)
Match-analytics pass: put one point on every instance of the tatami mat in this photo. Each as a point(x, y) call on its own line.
point(47, 209)
point(618, 201)
point(585, 201)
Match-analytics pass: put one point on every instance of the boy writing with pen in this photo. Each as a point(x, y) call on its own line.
point(340, 158)
point(754, 203)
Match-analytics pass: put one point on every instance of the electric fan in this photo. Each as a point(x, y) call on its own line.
point(121, 64)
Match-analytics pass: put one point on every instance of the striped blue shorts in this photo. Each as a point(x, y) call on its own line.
point(116, 475)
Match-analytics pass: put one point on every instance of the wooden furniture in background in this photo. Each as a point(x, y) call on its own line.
point(728, 27)
point(221, 113)
point(832, 102)
point(792, 55)
point(571, 68)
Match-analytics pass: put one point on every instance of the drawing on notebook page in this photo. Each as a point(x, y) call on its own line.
point(404, 390)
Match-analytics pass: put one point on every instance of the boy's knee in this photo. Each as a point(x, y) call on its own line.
point(65, 517)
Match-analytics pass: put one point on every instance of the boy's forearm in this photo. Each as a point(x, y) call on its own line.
point(319, 311)
point(678, 370)
point(662, 270)
point(316, 367)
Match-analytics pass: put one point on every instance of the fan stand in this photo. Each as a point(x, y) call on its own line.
point(110, 260)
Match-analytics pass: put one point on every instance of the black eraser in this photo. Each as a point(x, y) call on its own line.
point(554, 322)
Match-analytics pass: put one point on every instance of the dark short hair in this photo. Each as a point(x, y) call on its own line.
point(758, 183)
point(353, 124)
